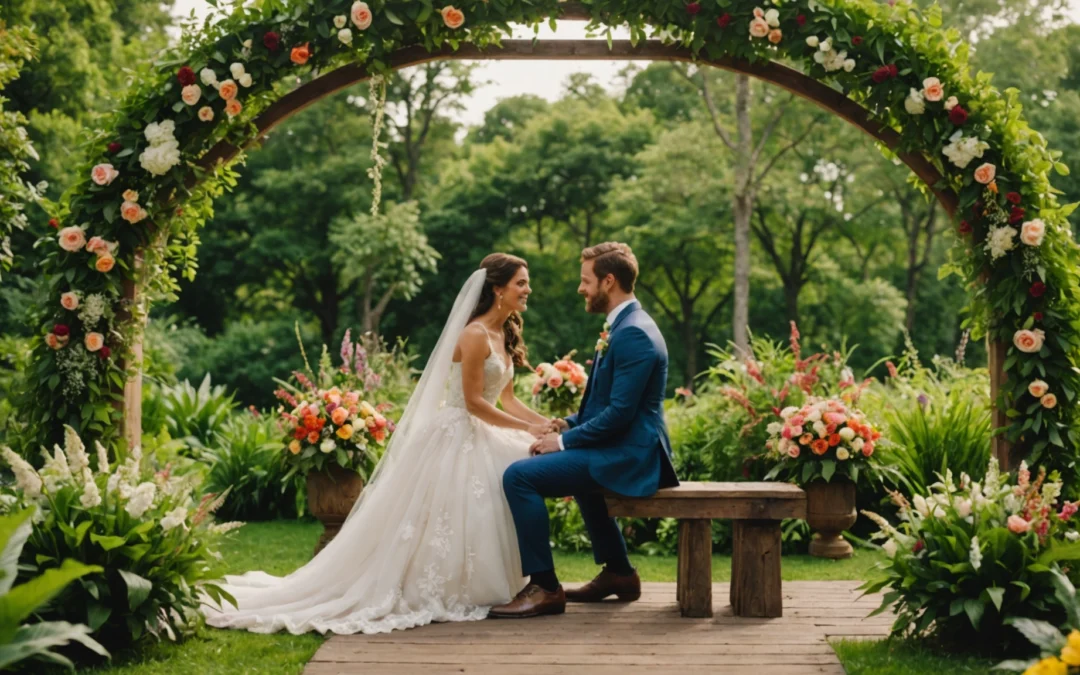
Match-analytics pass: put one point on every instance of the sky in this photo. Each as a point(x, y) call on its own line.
point(512, 78)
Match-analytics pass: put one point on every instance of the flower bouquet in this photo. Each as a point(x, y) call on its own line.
point(559, 386)
point(823, 438)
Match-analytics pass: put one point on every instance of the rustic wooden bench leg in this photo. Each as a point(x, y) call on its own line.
point(695, 567)
point(755, 569)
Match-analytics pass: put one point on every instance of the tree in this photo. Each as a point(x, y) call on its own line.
point(507, 118)
point(15, 147)
point(384, 256)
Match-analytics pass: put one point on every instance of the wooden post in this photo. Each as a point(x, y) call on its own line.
point(131, 406)
point(1000, 446)
point(695, 567)
point(755, 569)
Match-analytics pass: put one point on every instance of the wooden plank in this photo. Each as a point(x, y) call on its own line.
point(736, 508)
point(340, 648)
point(695, 567)
point(327, 668)
point(731, 490)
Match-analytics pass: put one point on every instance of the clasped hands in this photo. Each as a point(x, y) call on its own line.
point(547, 436)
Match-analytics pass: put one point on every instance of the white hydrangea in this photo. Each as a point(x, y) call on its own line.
point(832, 60)
point(91, 310)
point(26, 478)
point(157, 133)
point(141, 500)
point(158, 159)
point(961, 149)
point(174, 518)
point(1001, 241)
point(774, 428)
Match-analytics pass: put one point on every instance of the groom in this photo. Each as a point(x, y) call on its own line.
point(617, 442)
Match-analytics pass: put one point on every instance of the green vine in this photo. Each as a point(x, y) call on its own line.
point(377, 87)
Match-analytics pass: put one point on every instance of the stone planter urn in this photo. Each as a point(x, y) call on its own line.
point(330, 495)
point(830, 509)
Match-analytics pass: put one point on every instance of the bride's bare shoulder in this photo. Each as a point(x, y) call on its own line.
point(472, 344)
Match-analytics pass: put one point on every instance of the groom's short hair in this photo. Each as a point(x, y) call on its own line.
point(615, 258)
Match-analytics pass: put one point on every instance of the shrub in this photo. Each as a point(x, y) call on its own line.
point(196, 415)
point(1059, 653)
point(151, 542)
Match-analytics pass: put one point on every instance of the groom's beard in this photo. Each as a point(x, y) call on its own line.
point(599, 303)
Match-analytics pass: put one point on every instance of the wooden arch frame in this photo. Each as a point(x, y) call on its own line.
point(829, 99)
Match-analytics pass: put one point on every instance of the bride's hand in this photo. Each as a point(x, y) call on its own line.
point(558, 425)
point(540, 430)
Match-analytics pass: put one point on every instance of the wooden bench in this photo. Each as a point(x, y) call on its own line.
point(756, 508)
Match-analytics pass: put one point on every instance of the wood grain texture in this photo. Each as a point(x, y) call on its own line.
point(755, 569)
point(714, 507)
point(695, 568)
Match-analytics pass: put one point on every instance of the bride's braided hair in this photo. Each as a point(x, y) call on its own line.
point(501, 268)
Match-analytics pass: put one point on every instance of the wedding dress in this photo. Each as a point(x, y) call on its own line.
point(431, 538)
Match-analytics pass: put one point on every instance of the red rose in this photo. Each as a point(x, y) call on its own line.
point(919, 545)
point(885, 72)
point(857, 40)
point(54, 223)
point(104, 353)
point(1016, 215)
point(693, 8)
point(1013, 197)
point(115, 147)
point(893, 70)
point(801, 20)
point(1038, 316)
point(1037, 289)
point(60, 330)
point(965, 227)
point(958, 116)
point(186, 75)
point(723, 20)
point(272, 41)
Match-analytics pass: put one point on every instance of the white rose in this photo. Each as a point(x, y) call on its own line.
point(1032, 232)
point(191, 94)
point(847, 434)
point(849, 65)
point(237, 69)
point(328, 445)
point(819, 429)
point(787, 412)
point(339, 21)
point(1072, 535)
point(914, 103)
point(245, 80)
point(842, 454)
point(208, 76)
point(772, 17)
point(247, 43)
point(951, 103)
point(158, 159)
point(826, 45)
point(813, 41)
point(159, 132)
point(774, 428)
point(345, 36)
point(814, 415)
point(857, 444)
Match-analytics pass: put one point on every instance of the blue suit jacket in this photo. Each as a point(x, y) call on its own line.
point(621, 419)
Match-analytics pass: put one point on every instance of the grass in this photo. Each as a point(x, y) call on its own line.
point(279, 547)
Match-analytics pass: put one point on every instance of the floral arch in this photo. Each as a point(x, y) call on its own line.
point(132, 223)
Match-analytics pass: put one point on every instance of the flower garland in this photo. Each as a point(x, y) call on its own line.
point(893, 59)
point(377, 89)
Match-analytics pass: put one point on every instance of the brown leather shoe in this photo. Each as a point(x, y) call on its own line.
point(531, 601)
point(606, 584)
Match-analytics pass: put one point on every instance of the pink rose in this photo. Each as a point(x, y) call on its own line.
point(97, 245)
point(132, 212)
point(351, 398)
point(227, 90)
point(206, 113)
point(868, 449)
point(72, 238)
point(985, 173)
point(1029, 341)
point(797, 420)
point(786, 433)
point(835, 418)
point(191, 94)
point(1049, 401)
point(103, 174)
point(69, 300)
point(360, 15)
point(94, 341)
point(233, 108)
point(1032, 232)
point(759, 27)
point(796, 430)
point(932, 89)
point(793, 451)
point(452, 16)
point(555, 381)
point(775, 36)
point(1018, 525)
point(1037, 388)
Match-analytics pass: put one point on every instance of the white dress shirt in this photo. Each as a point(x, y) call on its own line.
point(612, 315)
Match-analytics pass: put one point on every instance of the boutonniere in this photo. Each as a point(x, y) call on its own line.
point(602, 343)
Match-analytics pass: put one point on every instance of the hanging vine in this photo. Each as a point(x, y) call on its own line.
point(377, 87)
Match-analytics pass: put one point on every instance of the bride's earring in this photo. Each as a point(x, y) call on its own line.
point(500, 301)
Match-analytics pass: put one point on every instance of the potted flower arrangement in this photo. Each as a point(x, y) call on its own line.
point(824, 446)
point(332, 436)
point(560, 385)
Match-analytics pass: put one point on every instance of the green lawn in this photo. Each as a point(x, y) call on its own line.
point(904, 657)
point(281, 546)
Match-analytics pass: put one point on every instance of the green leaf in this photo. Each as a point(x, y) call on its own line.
point(107, 542)
point(138, 588)
point(1042, 634)
point(394, 19)
point(974, 610)
point(997, 594)
point(828, 468)
point(21, 601)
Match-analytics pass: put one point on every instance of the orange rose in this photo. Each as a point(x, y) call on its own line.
point(775, 36)
point(299, 433)
point(301, 54)
point(233, 108)
point(379, 434)
point(820, 446)
point(339, 416)
point(69, 300)
point(227, 90)
point(985, 173)
point(834, 440)
point(105, 263)
point(72, 238)
point(313, 437)
point(345, 432)
point(132, 212)
point(806, 438)
point(452, 16)
point(94, 341)
point(294, 447)
point(311, 422)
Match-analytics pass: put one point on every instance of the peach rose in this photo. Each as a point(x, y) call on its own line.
point(775, 36)
point(360, 15)
point(452, 16)
point(339, 415)
point(206, 113)
point(867, 449)
point(1048, 401)
point(985, 173)
point(103, 174)
point(1029, 341)
point(1032, 232)
point(132, 212)
point(793, 451)
point(228, 90)
point(932, 89)
point(1038, 388)
point(56, 341)
point(577, 379)
point(806, 439)
point(233, 108)
point(94, 341)
point(313, 437)
point(131, 196)
point(759, 13)
point(97, 245)
point(191, 94)
point(301, 54)
point(345, 432)
point(105, 263)
point(1018, 525)
point(69, 300)
point(555, 381)
point(294, 447)
point(759, 28)
point(72, 238)
point(351, 398)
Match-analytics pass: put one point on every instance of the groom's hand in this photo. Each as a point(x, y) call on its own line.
point(544, 445)
point(559, 425)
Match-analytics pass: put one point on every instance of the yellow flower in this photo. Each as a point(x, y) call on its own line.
point(294, 447)
point(1071, 653)
point(1048, 666)
point(344, 432)
point(366, 410)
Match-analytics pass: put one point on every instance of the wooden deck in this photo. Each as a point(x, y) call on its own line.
point(644, 637)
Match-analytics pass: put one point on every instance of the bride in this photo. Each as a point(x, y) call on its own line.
point(431, 537)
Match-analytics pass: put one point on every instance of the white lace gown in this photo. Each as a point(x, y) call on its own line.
point(442, 548)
